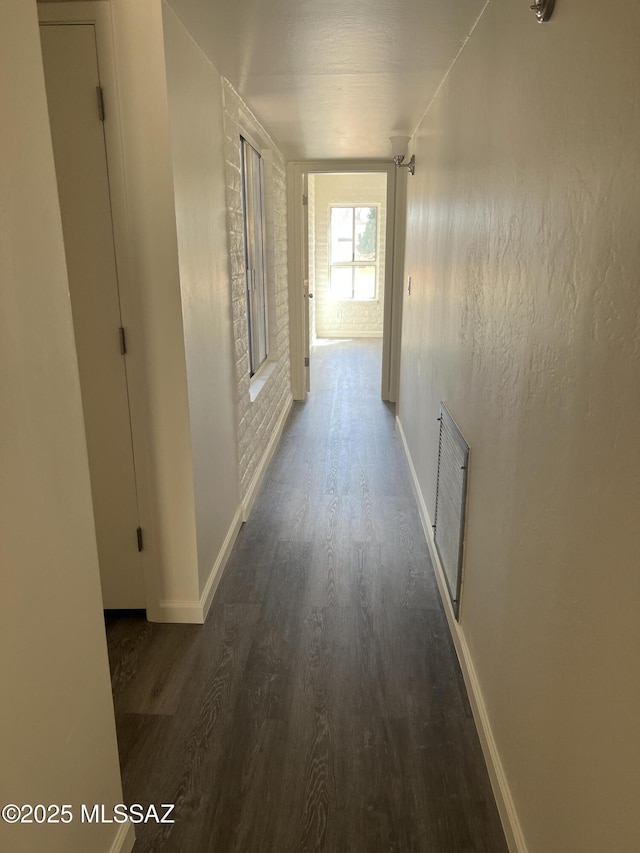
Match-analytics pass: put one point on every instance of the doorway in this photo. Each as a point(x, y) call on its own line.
point(347, 246)
point(77, 117)
point(332, 296)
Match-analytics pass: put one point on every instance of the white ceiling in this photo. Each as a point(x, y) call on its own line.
point(331, 79)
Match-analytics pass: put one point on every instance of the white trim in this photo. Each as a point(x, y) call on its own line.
point(499, 783)
point(125, 839)
point(260, 377)
point(261, 470)
point(218, 567)
point(176, 611)
point(297, 292)
point(195, 612)
point(399, 239)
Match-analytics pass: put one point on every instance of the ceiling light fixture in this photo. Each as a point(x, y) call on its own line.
point(399, 151)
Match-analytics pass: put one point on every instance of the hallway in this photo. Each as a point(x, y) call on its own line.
point(321, 706)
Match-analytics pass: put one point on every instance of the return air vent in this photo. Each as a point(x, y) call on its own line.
point(451, 499)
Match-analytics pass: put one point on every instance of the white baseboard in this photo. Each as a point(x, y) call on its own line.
point(195, 612)
point(256, 480)
point(216, 572)
point(174, 610)
point(499, 783)
point(125, 839)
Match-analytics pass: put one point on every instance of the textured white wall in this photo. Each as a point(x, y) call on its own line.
point(196, 114)
point(57, 732)
point(257, 420)
point(525, 317)
point(333, 318)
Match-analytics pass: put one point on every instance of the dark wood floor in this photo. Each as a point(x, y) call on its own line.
point(321, 707)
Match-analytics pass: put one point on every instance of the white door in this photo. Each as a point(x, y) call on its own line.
point(72, 81)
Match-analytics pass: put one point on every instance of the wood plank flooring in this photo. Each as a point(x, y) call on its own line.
point(321, 707)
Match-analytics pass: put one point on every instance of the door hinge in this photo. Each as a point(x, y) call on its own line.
point(306, 361)
point(305, 199)
point(123, 342)
point(100, 94)
point(139, 535)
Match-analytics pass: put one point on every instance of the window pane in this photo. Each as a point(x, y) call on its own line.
point(341, 234)
point(253, 210)
point(342, 282)
point(364, 286)
point(366, 233)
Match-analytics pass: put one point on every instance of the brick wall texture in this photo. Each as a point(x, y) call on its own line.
point(257, 420)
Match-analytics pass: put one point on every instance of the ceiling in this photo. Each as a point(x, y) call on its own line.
point(332, 79)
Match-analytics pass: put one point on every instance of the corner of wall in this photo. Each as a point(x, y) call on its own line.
point(160, 401)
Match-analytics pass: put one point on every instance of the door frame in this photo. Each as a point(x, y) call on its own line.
point(98, 13)
point(297, 174)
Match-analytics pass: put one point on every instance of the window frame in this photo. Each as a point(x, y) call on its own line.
point(353, 264)
point(255, 256)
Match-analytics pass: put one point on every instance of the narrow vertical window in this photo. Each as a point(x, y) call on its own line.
point(354, 252)
point(254, 242)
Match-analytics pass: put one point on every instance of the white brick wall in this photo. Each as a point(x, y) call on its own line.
point(335, 319)
point(257, 420)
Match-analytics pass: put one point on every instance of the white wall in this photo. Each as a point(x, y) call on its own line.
point(57, 734)
point(525, 318)
point(156, 351)
point(257, 422)
point(334, 318)
point(196, 115)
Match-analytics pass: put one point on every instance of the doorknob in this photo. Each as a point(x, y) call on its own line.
point(311, 296)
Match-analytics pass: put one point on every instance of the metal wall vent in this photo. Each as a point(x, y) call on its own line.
point(451, 499)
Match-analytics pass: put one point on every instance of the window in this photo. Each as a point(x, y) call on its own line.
point(254, 248)
point(353, 252)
